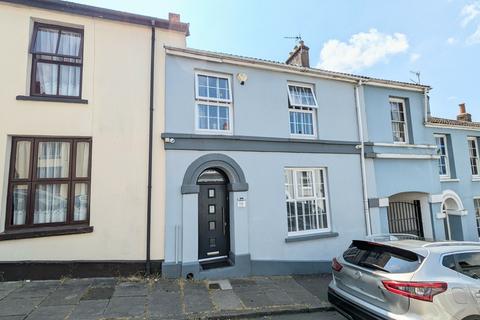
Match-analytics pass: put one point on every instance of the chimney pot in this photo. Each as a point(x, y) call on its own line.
point(463, 115)
point(173, 17)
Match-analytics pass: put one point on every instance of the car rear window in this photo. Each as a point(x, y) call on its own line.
point(382, 257)
point(469, 264)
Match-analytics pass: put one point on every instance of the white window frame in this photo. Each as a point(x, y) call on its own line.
point(447, 159)
point(217, 75)
point(199, 100)
point(296, 198)
point(314, 124)
point(474, 139)
point(302, 85)
point(313, 109)
point(477, 213)
point(213, 131)
point(405, 115)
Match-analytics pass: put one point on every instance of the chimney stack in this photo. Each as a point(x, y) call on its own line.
point(173, 18)
point(463, 115)
point(299, 56)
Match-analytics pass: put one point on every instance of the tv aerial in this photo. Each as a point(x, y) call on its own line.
point(417, 75)
point(297, 38)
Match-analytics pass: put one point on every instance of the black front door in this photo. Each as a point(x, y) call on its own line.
point(213, 226)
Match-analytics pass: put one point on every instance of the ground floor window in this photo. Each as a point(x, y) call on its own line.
point(49, 182)
point(306, 200)
point(476, 202)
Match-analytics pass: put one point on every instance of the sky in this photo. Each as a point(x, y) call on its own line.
point(378, 38)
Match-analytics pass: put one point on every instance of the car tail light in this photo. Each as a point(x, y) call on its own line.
point(336, 265)
point(424, 291)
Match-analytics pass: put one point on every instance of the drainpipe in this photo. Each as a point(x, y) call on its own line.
point(150, 153)
point(425, 97)
point(366, 209)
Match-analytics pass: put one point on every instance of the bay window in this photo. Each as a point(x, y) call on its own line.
point(49, 182)
point(306, 200)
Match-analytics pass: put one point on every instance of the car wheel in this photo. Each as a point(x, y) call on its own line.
point(472, 318)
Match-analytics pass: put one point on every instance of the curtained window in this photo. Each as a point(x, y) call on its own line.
point(56, 61)
point(49, 182)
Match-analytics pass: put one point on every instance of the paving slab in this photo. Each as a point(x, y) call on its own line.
point(315, 284)
point(254, 299)
point(107, 282)
point(131, 289)
point(67, 294)
point(12, 317)
point(18, 306)
point(166, 286)
point(299, 293)
point(35, 289)
point(50, 313)
point(8, 287)
point(124, 307)
point(163, 304)
point(196, 297)
point(98, 293)
point(89, 310)
point(279, 297)
point(226, 300)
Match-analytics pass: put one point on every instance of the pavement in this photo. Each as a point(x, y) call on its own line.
point(139, 298)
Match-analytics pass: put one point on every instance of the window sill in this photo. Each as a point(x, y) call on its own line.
point(44, 232)
point(313, 236)
point(449, 180)
point(52, 99)
point(475, 179)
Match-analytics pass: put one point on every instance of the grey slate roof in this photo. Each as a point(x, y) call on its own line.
point(454, 123)
point(220, 55)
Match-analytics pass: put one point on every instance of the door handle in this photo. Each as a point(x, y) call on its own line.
point(223, 220)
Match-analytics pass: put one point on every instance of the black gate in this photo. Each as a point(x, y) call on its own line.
point(405, 217)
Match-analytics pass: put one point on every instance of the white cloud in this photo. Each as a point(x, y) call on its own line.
point(451, 40)
point(474, 38)
point(362, 50)
point(470, 12)
point(414, 57)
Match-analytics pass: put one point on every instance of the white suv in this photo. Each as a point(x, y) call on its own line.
point(407, 279)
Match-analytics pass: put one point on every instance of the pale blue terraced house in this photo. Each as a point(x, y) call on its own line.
point(423, 171)
point(273, 168)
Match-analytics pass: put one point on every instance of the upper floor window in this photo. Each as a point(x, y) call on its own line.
point(56, 61)
point(49, 182)
point(442, 151)
point(302, 110)
point(476, 203)
point(473, 151)
point(213, 103)
point(399, 120)
point(306, 200)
